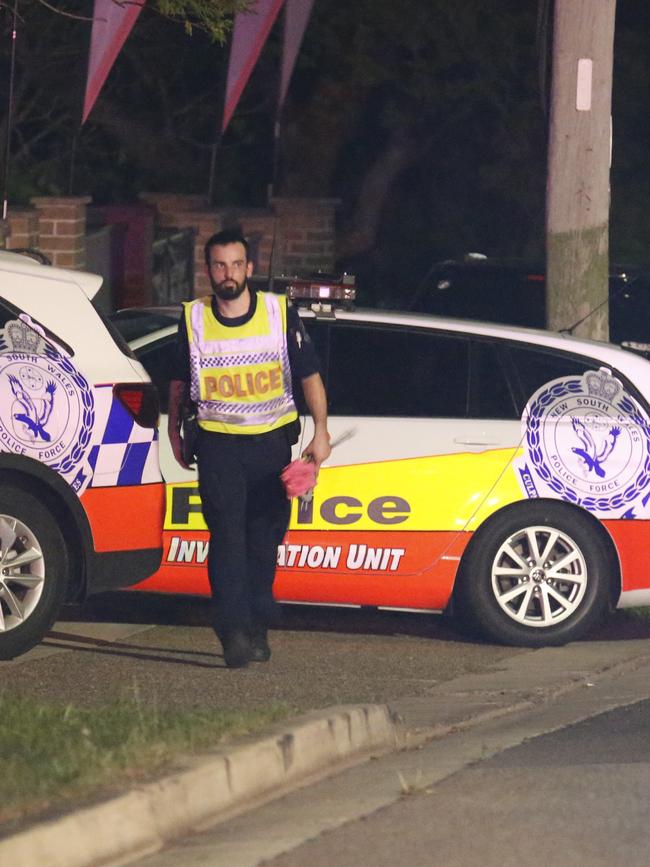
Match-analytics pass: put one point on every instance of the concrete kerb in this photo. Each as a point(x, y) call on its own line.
point(212, 787)
point(141, 821)
point(515, 684)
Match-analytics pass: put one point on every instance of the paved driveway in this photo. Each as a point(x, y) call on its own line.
point(163, 648)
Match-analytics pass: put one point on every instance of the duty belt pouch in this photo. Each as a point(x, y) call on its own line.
point(293, 432)
point(189, 432)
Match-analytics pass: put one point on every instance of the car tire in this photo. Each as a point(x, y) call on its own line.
point(536, 574)
point(33, 570)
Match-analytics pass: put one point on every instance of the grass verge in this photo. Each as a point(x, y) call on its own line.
point(53, 754)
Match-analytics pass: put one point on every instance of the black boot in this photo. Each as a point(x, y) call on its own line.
point(236, 649)
point(260, 650)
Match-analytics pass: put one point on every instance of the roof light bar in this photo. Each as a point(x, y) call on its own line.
point(323, 298)
point(304, 291)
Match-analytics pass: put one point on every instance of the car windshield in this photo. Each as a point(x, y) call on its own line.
point(134, 323)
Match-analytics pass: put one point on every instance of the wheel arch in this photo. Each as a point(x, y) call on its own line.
point(66, 510)
point(568, 508)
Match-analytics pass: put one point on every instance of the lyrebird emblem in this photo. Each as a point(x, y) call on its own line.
point(593, 456)
point(36, 413)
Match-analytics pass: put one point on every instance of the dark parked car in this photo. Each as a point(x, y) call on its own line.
point(512, 291)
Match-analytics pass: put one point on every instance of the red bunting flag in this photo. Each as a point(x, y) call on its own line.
point(249, 35)
point(112, 23)
point(296, 15)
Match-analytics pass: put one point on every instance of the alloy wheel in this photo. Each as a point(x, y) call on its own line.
point(539, 576)
point(22, 572)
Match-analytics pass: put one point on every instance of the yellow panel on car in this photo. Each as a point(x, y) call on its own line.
point(428, 493)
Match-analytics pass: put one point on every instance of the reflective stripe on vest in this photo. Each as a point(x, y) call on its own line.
point(240, 376)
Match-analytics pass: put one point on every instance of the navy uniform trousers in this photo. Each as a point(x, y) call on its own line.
point(247, 512)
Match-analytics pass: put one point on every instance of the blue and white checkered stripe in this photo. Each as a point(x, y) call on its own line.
point(126, 454)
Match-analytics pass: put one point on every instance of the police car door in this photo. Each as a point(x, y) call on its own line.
point(423, 437)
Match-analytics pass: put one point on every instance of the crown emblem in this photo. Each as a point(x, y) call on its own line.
point(22, 338)
point(602, 384)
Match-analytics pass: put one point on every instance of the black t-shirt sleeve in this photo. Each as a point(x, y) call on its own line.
point(302, 352)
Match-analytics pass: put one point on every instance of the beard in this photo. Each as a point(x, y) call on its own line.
point(228, 289)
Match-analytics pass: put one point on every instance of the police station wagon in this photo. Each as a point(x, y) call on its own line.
point(81, 494)
point(497, 472)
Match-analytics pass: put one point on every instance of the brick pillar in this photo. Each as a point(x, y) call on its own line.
point(23, 228)
point(62, 229)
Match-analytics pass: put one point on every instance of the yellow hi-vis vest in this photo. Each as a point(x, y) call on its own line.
point(240, 375)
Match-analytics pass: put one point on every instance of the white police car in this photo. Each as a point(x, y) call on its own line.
point(495, 471)
point(81, 495)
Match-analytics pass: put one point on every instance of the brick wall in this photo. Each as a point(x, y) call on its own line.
point(306, 238)
point(301, 232)
point(23, 228)
point(62, 229)
point(298, 233)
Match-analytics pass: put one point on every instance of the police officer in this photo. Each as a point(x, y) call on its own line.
point(237, 352)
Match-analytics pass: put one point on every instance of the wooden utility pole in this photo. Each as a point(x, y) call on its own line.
point(579, 151)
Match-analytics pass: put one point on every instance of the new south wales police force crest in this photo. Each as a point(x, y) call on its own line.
point(46, 405)
point(586, 440)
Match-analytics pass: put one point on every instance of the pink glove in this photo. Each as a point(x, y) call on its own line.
point(298, 478)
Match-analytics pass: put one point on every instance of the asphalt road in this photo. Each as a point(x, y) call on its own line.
point(163, 648)
point(575, 797)
point(564, 782)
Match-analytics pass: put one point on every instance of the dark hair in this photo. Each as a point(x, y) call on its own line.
point(225, 236)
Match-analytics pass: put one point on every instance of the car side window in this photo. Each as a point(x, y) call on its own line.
point(532, 368)
point(384, 371)
point(159, 360)
point(6, 313)
point(492, 392)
